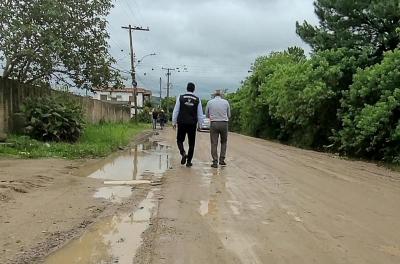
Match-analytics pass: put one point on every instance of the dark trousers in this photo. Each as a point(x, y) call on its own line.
point(190, 131)
point(162, 122)
point(154, 123)
point(218, 130)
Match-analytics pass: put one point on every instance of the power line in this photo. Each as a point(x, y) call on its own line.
point(116, 44)
point(138, 10)
point(123, 71)
point(122, 59)
point(125, 9)
point(131, 10)
point(139, 16)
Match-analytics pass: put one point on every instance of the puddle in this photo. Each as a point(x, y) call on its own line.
point(206, 178)
point(207, 173)
point(144, 162)
point(203, 209)
point(115, 194)
point(117, 238)
point(114, 240)
point(141, 162)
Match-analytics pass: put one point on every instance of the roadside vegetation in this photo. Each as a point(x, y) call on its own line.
point(53, 118)
point(96, 141)
point(344, 97)
point(54, 126)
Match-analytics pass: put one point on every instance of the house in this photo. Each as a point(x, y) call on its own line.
point(124, 97)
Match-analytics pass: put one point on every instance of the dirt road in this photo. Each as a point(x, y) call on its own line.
point(276, 204)
point(271, 204)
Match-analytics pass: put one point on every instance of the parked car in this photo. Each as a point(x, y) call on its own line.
point(205, 125)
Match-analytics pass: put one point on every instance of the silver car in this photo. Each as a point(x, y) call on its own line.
point(204, 125)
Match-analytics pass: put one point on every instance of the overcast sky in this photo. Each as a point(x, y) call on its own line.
point(216, 40)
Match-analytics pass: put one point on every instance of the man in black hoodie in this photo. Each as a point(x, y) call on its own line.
point(187, 113)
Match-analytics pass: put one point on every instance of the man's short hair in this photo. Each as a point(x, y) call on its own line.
point(191, 87)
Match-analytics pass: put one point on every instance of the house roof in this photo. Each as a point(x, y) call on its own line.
point(124, 90)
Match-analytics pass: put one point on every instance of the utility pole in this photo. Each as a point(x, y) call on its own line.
point(133, 72)
point(168, 84)
point(160, 91)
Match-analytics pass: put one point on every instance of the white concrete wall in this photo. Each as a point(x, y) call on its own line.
point(140, 100)
point(121, 96)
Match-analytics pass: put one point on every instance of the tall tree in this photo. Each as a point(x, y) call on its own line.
point(356, 24)
point(44, 40)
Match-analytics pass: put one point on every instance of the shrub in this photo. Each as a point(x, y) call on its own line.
point(53, 119)
point(145, 115)
point(371, 112)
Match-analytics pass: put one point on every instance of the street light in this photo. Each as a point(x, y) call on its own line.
point(151, 54)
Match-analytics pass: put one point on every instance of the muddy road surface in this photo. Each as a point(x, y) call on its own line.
point(271, 204)
point(42, 204)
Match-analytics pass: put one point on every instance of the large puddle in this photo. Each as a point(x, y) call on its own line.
point(147, 161)
point(114, 240)
point(143, 161)
point(117, 238)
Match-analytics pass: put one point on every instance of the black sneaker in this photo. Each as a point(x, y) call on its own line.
point(183, 160)
point(189, 164)
point(214, 165)
point(222, 163)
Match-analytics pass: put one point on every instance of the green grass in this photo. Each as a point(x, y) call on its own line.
point(97, 141)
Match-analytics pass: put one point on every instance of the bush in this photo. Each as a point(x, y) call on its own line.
point(53, 119)
point(168, 105)
point(145, 115)
point(371, 112)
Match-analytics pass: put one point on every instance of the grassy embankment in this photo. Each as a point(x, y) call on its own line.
point(97, 141)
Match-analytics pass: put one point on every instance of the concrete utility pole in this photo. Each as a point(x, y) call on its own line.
point(133, 72)
point(168, 84)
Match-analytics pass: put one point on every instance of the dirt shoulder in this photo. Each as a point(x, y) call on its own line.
point(42, 204)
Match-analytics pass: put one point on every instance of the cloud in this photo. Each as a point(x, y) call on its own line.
point(216, 40)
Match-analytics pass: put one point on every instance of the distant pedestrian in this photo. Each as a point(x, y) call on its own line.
point(162, 119)
point(187, 113)
point(219, 112)
point(155, 117)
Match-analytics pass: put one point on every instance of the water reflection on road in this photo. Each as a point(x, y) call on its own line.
point(138, 163)
point(143, 162)
point(116, 239)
